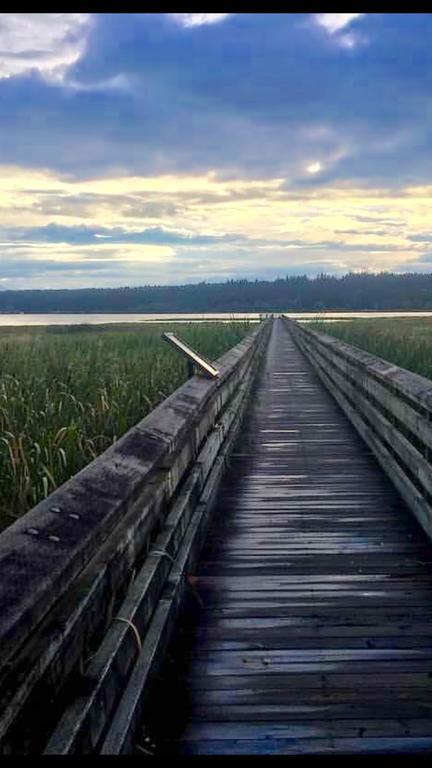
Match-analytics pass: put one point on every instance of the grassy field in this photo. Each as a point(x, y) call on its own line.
point(405, 341)
point(67, 393)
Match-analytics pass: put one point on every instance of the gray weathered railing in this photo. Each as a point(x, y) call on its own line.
point(98, 569)
point(390, 407)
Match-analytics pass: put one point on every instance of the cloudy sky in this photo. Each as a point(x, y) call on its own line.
point(170, 148)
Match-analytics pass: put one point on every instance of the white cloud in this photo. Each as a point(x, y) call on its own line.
point(348, 41)
point(47, 42)
point(198, 19)
point(335, 22)
point(314, 168)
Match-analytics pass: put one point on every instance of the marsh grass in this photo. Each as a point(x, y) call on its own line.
point(68, 393)
point(404, 341)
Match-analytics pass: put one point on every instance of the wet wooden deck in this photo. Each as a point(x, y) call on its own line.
point(309, 628)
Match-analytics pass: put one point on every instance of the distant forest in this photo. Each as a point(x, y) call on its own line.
point(300, 293)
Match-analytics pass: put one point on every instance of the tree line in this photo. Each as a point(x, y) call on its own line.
point(354, 291)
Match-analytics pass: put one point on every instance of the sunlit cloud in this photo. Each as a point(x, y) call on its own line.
point(46, 42)
point(314, 167)
point(235, 227)
point(335, 22)
point(198, 19)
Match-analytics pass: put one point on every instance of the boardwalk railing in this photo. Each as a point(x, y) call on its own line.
point(82, 574)
point(390, 407)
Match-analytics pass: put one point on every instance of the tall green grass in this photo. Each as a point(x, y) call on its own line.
point(66, 394)
point(403, 341)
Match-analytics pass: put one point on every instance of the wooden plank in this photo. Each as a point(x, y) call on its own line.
point(308, 701)
point(343, 746)
point(282, 713)
point(393, 678)
point(311, 729)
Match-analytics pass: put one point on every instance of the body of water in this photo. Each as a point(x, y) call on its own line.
point(101, 319)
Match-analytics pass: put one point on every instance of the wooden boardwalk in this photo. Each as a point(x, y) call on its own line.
point(309, 628)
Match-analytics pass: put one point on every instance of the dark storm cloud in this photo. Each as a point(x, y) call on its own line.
point(256, 95)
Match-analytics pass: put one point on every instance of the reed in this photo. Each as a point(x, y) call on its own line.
point(66, 394)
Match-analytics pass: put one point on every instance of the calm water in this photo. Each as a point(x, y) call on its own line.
point(98, 319)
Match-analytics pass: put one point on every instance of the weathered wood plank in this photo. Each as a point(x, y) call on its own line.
point(278, 746)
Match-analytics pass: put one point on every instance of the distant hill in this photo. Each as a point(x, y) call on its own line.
point(382, 291)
